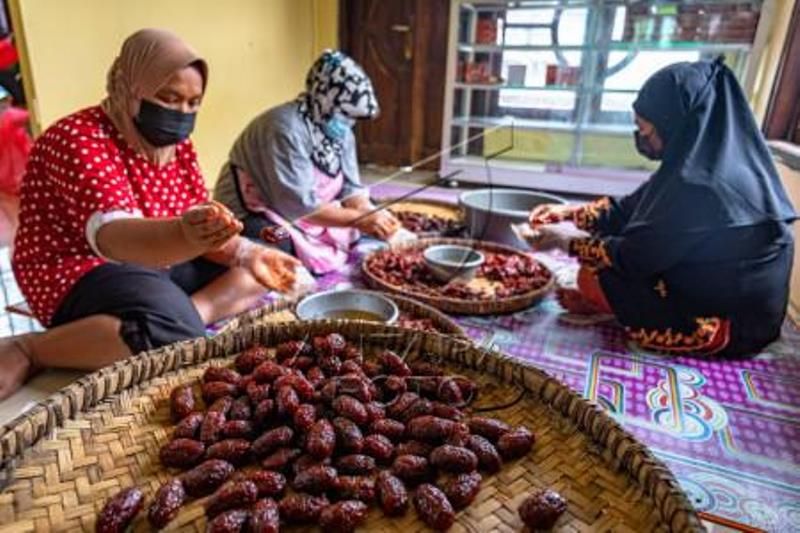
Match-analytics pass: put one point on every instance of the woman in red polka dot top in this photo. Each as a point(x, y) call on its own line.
point(119, 248)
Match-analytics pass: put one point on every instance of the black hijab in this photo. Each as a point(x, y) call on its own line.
point(717, 171)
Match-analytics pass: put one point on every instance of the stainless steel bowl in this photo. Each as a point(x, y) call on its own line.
point(346, 304)
point(489, 213)
point(448, 262)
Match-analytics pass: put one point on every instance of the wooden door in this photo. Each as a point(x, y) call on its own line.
point(402, 46)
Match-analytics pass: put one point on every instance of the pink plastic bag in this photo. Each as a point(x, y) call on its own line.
point(15, 144)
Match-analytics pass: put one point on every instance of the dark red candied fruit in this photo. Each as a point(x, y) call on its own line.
point(392, 494)
point(280, 459)
point(412, 469)
point(235, 451)
point(488, 458)
point(268, 371)
point(167, 501)
point(215, 390)
point(304, 417)
point(211, 428)
point(315, 479)
point(302, 508)
point(355, 465)
point(267, 482)
point(349, 407)
point(379, 447)
point(490, 428)
point(292, 349)
point(181, 453)
point(119, 511)
point(349, 438)
point(394, 364)
point(542, 509)
point(189, 427)
point(181, 402)
point(238, 429)
point(515, 443)
point(414, 447)
point(204, 479)
point(233, 521)
point(433, 507)
point(354, 488)
point(221, 373)
point(332, 344)
point(321, 439)
point(430, 429)
point(241, 409)
point(462, 489)
point(392, 429)
point(343, 517)
point(265, 517)
point(286, 401)
point(258, 392)
point(454, 459)
point(231, 495)
point(273, 439)
point(250, 359)
point(221, 405)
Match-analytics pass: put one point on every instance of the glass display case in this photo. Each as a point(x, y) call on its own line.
point(544, 87)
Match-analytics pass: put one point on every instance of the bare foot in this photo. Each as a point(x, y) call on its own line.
point(15, 367)
point(574, 302)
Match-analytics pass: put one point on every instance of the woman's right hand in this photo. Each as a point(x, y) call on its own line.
point(545, 214)
point(209, 226)
point(380, 224)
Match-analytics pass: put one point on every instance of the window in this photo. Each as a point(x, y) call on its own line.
point(567, 71)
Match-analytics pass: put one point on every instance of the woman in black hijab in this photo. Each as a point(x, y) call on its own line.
point(697, 260)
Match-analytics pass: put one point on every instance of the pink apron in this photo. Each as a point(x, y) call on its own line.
point(321, 249)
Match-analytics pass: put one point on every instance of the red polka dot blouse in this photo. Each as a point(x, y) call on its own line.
point(79, 169)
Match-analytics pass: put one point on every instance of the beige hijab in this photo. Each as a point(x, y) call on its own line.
point(147, 59)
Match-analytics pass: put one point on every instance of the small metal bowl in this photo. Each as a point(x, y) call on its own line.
point(450, 262)
point(349, 304)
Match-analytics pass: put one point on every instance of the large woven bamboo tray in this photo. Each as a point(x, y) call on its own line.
point(284, 312)
point(430, 207)
point(489, 306)
point(103, 433)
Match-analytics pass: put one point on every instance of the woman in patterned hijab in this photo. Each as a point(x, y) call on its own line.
point(295, 166)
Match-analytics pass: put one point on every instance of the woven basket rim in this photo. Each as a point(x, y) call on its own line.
point(634, 458)
point(460, 305)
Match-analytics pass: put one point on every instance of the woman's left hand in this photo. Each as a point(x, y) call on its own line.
point(555, 236)
point(270, 267)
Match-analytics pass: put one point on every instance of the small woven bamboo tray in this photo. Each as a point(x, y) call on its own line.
point(284, 312)
point(103, 433)
point(490, 306)
point(426, 206)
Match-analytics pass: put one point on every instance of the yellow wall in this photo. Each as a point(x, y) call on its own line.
point(768, 66)
point(258, 52)
point(791, 180)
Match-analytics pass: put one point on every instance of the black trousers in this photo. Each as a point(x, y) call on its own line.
point(155, 306)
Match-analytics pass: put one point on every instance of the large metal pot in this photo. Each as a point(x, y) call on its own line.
point(489, 213)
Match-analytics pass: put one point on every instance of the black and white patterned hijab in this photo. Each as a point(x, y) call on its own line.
point(335, 85)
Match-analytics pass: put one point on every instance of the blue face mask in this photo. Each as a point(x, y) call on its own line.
point(337, 126)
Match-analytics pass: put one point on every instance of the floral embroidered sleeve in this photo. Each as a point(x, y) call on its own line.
point(587, 216)
point(635, 254)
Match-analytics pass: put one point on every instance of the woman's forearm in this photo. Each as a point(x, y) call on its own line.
point(226, 255)
point(329, 215)
point(153, 242)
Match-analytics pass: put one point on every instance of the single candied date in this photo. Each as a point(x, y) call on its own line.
point(120, 511)
point(307, 461)
point(332, 344)
point(433, 507)
point(189, 427)
point(250, 359)
point(221, 405)
point(181, 403)
point(221, 373)
point(491, 428)
point(462, 489)
point(181, 453)
point(375, 410)
point(459, 436)
point(302, 508)
point(206, 477)
point(211, 428)
point(166, 503)
point(394, 364)
point(414, 447)
point(392, 494)
point(355, 385)
point(393, 387)
point(349, 438)
point(238, 429)
point(274, 234)
point(355, 465)
point(449, 393)
point(447, 411)
point(286, 401)
point(343, 517)
point(267, 482)
point(303, 387)
point(231, 495)
point(401, 404)
point(515, 443)
point(354, 488)
point(292, 349)
point(391, 429)
point(425, 368)
point(349, 407)
point(235, 451)
point(258, 392)
point(268, 371)
point(304, 417)
point(454, 459)
point(542, 509)
point(265, 517)
point(430, 429)
point(241, 409)
point(321, 439)
point(488, 458)
point(411, 469)
point(215, 390)
point(379, 447)
point(352, 366)
point(316, 376)
point(232, 521)
point(315, 479)
point(280, 459)
point(273, 439)
point(421, 407)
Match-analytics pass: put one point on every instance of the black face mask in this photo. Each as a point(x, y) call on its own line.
point(645, 147)
point(162, 126)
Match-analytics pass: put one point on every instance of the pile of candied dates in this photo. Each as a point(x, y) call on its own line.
point(514, 273)
point(426, 223)
point(316, 433)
